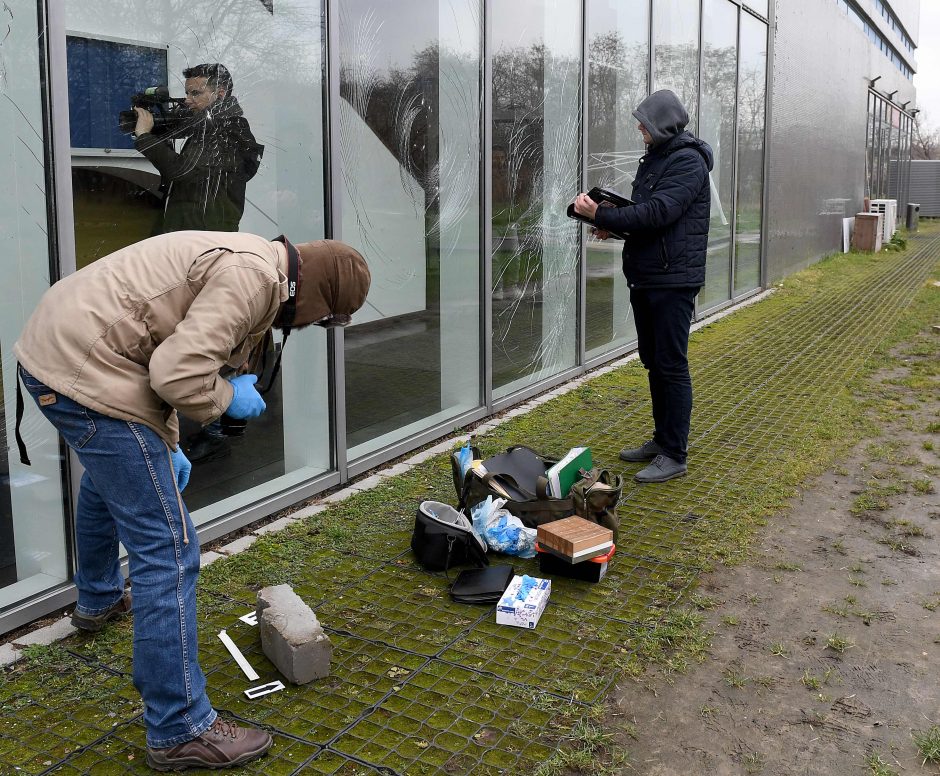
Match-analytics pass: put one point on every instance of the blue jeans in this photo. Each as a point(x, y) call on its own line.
point(663, 317)
point(128, 494)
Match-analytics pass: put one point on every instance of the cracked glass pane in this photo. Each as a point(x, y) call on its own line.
point(409, 146)
point(618, 47)
point(32, 522)
point(208, 116)
point(535, 166)
point(716, 127)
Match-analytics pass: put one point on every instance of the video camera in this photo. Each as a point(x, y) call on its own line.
point(169, 113)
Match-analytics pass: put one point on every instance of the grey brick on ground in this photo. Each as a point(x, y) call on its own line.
point(291, 635)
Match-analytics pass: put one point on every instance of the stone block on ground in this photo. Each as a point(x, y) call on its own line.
point(291, 635)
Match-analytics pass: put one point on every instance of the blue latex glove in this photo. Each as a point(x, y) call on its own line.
point(182, 467)
point(246, 402)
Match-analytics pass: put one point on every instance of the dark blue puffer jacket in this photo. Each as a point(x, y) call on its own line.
point(668, 226)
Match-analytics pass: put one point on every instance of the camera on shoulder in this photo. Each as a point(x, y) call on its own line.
point(169, 113)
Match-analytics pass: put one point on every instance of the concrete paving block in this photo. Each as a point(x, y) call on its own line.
point(238, 545)
point(394, 471)
point(275, 526)
point(368, 483)
point(49, 634)
point(340, 495)
point(8, 654)
point(308, 511)
point(421, 457)
point(291, 635)
point(208, 558)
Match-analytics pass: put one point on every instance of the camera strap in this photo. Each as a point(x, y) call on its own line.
point(289, 308)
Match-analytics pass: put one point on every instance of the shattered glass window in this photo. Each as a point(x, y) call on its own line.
point(409, 148)
point(208, 116)
point(535, 170)
point(618, 49)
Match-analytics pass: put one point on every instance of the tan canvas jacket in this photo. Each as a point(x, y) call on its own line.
point(142, 333)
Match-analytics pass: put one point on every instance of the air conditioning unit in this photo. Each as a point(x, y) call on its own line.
point(889, 210)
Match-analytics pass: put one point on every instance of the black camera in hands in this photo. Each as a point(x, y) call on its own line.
point(169, 113)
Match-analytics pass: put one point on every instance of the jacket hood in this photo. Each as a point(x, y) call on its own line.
point(688, 140)
point(663, 116)
point(333, 278)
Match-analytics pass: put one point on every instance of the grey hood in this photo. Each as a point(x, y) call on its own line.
point(663, 116)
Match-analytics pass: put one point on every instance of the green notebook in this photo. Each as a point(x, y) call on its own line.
point(567, 471)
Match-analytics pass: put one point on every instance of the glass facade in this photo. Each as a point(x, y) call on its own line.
point(618, 49)
point(536, 149)
point(443, 139)
point(752, 94)
point(409, 146)
point(675, 51)
point(273, 55)
point(716, 127)
point(33, 539)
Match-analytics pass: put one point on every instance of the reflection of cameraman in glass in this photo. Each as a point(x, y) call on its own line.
point(204, 184)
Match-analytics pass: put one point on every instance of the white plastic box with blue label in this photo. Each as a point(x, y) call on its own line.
point(523, 612)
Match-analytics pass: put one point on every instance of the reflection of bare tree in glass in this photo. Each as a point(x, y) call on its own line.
point(536, 130)
point(677, 69)
point(616, 85)
point(750, 147)
point(400, 106)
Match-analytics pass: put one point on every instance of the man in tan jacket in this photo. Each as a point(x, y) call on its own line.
point(110, 355)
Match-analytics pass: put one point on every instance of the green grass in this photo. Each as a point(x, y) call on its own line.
point(790, 420)
point(928, 744)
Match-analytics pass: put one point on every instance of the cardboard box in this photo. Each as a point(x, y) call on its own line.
point(575, 538)
point(523, 613)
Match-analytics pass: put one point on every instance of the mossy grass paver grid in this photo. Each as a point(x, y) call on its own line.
point(421, 685)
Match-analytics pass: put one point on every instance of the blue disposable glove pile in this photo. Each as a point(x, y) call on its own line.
point(503, 531)
point(182, 467)
point(246, 401)
point(527, 584)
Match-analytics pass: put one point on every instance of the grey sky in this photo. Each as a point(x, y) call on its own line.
point(927, 78)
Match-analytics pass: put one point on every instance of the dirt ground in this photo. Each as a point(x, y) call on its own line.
point(852, 565)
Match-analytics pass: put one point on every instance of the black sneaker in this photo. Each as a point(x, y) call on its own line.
point(204, 447)
point(92, 623)
point(645, 452)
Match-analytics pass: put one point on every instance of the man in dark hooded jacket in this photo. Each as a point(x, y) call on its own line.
point(203, 184)
point(664, 263)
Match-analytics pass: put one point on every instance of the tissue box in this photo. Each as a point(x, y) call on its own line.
point(524, 613)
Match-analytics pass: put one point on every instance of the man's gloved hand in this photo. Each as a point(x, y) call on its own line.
point(182, 467)
point(246, 402)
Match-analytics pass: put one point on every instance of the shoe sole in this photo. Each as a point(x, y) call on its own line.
point(195, 762)
point(664, 478)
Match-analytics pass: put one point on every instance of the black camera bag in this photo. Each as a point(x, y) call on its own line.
point(518, 475)
point(444, 537)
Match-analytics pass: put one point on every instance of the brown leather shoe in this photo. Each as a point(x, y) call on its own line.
point(223, 745)
point(92, 623)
